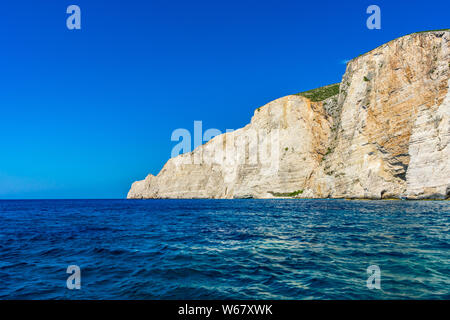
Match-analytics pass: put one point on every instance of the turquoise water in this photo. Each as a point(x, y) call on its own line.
point(224, 249)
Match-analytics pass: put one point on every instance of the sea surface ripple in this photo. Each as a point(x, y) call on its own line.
point(224, 249)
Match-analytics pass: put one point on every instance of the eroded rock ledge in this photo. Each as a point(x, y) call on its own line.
point(384, 135)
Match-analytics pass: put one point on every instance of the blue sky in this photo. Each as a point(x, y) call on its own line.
point(85, 113)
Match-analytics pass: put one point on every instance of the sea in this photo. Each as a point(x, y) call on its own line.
point(224, 249)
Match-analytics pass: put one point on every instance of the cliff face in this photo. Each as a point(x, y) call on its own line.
point(277, 152)
point(385, 135)
point(393, 135)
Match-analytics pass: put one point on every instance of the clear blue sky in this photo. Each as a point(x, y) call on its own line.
point(85, 113)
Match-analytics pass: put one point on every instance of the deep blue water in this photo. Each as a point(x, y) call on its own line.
point(224, 249)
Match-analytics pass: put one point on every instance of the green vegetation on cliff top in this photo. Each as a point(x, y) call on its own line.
point(322, 93)
point(437, 30)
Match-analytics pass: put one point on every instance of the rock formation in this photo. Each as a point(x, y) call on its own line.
point(384, 135)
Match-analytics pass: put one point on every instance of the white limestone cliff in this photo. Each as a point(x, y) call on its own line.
point(386, 135)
